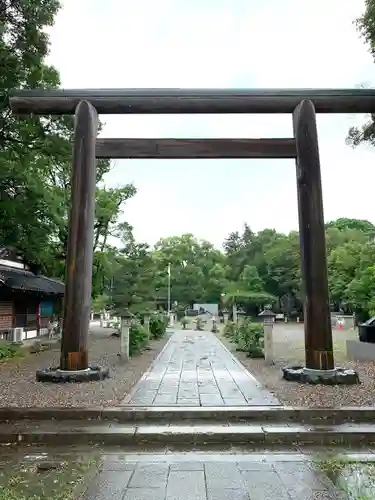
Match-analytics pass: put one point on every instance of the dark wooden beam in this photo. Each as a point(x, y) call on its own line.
point(195, 148)
point(172, 101)
point(317, 317)
point(77, 300)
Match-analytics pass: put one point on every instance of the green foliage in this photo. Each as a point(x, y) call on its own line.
point(100, 303)
point(197, 270)
point(355, 479)
point(366, 26)
point(138, 338)
point(158, 325)
point(250, 339)
point(35, 156)
point(230, 330)
point(8, 350)
point(133, 286)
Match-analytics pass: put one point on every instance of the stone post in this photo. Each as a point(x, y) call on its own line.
point(226, 317)
point(124, 335)
point(171, 319)
point(146, 323)
point(268, 318)
point(234, 309)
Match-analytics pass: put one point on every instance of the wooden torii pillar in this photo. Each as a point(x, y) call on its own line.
point(317, 321)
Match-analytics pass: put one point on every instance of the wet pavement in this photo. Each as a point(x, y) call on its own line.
point(195, 369)
point(118, 473)
point(211, 477)
point(97, 475)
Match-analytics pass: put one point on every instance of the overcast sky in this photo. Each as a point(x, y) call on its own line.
point(221, 43)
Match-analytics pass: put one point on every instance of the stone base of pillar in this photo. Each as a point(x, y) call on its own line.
point(54, 374)
point(337, 376)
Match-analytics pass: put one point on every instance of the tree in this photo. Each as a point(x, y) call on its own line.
point(360, 225)
point(133, 284)
point(35, 153)
point(26, 148)
point(343, 262)
point(366, 27)
point(195, 269)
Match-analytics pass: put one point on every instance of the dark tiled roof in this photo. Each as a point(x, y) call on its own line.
point(19, 279)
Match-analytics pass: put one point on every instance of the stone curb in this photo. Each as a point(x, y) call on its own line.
point(170, 413)
point(164, 435)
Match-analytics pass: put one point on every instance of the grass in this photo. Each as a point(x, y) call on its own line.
point(357, 479)
point(22, 481)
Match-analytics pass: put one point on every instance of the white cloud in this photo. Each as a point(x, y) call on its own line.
point(221, 43)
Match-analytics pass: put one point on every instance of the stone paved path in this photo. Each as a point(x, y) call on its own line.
point(195, 369)
point(211, 477)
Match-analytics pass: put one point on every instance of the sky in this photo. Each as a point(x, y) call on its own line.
point(213, 44)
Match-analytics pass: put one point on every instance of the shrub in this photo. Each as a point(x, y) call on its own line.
point(250, 339)
point(158, 325)
point(230, 330)
point(8, 350)
point(138, 338)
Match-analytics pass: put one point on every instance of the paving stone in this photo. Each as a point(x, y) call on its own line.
point(235, 402)
point(178, 466)
point(254, 465)
point(149, 475)
point(117, 462)
point(297, 477)
point(227, 494)
point(186, 485)
point(265, 485)
point(162, 399)
point(196, 364)
point(223, 476)
point(188, 402)
point(211, 400)
point(144, 494)
point(108, 484)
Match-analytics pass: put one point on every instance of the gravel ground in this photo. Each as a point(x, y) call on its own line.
point(18, 386)
point(289, 349)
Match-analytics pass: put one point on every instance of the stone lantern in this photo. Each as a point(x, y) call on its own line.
point(226, 315)
point(269, 319)
point(146, 322)
point(126, 318)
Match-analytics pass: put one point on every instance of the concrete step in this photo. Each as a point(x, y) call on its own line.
point(198, 432)
point(170, 414)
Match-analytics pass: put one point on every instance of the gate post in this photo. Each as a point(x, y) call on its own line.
point(317, 323)
point(74, 354)
point(74, 364)
point(320, 367)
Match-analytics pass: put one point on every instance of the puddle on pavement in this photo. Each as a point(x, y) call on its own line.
point(356, 479)
point(42, 476)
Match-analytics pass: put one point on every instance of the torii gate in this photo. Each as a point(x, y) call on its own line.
point(302, 104)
